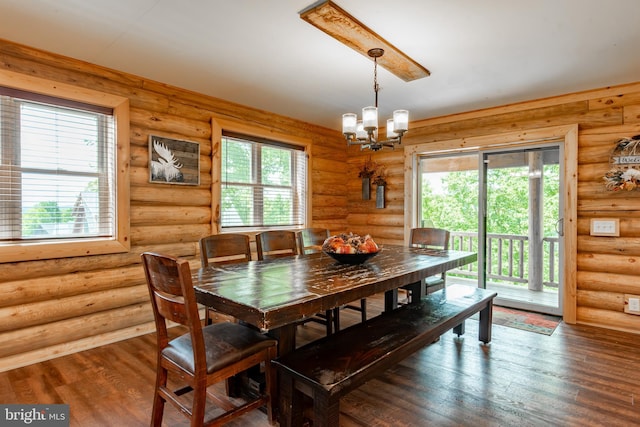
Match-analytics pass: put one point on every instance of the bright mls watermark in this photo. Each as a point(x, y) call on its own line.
point(34, 415)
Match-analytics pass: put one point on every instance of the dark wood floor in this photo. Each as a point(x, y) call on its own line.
point(579, 376)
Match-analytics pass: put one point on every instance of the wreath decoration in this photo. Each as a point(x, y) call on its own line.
point(625, 161)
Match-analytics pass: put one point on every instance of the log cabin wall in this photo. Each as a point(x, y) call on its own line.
point(59, 306)
point(54, 307)
point(607, 267)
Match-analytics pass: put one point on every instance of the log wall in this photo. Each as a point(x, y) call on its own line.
point(607, 267)
point(59, 306)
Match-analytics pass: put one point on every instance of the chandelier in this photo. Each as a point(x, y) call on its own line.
point(365, 132)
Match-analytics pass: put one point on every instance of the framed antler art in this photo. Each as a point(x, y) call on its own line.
point(173, 161)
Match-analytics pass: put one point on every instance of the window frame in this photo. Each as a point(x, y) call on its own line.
point(218, 127)
point(70, 247)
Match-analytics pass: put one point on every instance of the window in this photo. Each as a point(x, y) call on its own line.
point(62, 185)
point(263, 183)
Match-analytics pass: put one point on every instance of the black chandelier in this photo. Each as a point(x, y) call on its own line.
point(365, 132)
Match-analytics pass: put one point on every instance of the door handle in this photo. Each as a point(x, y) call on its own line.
point(560, 227)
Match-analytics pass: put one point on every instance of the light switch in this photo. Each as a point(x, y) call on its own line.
point(605, 227)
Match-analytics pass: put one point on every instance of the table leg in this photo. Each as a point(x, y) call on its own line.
point(286, 336)
point(417, 290)
point(486, 315)
point(391, 300)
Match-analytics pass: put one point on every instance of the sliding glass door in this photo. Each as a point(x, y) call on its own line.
point(506, 206)
point(522, 227)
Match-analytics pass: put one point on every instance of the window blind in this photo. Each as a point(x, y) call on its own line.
point(263, 183)
point(57, 169)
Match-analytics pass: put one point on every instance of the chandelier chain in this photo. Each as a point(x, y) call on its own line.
point(375, 79)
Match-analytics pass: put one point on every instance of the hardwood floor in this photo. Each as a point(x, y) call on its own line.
point(579, 376)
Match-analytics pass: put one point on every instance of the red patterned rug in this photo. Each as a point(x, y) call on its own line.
point(525, 320)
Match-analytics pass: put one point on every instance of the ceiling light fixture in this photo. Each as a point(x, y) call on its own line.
point(365, 132)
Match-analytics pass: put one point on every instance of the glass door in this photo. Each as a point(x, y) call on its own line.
point(447, 198)
point(521, 228)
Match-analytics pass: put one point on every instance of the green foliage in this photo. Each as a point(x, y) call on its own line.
point(452, 202)
point(243, 182)
point(44, 213)
point(276, 166)
point(507, 201)
point(277, 209)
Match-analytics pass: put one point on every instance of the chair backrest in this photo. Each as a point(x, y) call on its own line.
point(276, 243)
point(173, 298)
point(434, 238)
point(224, 249)
point(310, 240)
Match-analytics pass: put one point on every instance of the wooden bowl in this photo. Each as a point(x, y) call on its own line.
point(352, 259)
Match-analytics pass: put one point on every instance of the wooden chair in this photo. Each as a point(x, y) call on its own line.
point(430, 238)
point(281, 243)
point(223, 249)
point(204, 355)
point(310, 241)
point(276, 243)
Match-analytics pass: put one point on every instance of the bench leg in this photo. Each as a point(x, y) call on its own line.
point(326, 411)
point(291, 403)
point(486, 315)
point(459, 330)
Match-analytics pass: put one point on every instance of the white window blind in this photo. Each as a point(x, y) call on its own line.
point(263, 183)
point(57, 169)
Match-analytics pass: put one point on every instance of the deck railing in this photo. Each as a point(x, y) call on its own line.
point(507, 257)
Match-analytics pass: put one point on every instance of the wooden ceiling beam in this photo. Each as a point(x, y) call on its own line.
point(339, 24)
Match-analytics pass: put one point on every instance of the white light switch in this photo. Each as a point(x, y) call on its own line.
point(605, 227)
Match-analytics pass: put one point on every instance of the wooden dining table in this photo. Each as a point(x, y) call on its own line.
point(275, 295)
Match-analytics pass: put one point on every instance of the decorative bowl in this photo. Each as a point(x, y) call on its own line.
point(352, 259)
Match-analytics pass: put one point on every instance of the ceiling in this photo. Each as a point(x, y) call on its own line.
point(261, 54)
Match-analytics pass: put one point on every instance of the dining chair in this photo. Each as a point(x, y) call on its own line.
point(430, 238)
point(310, 240)
point(202, 356)
point(228, 248)
point(281, 243)
point(276, 243)
point(224, 249)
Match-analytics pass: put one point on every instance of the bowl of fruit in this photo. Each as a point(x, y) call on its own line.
point(350, 248)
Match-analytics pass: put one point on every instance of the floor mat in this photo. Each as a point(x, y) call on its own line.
point(525, 320)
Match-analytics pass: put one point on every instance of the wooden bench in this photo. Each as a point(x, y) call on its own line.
point(331, 367)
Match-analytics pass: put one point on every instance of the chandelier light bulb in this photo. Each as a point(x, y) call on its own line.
point(370, 118)
point(360, 132)
point(349, 121)
point(390, 131)
point(401, 121)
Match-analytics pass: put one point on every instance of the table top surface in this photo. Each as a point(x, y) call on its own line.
point(272, 293)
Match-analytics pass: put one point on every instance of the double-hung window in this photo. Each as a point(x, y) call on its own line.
point(59, 178)
point(263, 183)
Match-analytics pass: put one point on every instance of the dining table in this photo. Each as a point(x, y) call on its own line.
point(277, 294)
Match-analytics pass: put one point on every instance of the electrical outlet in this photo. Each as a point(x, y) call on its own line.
point(632, 304)
point(605, 227)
